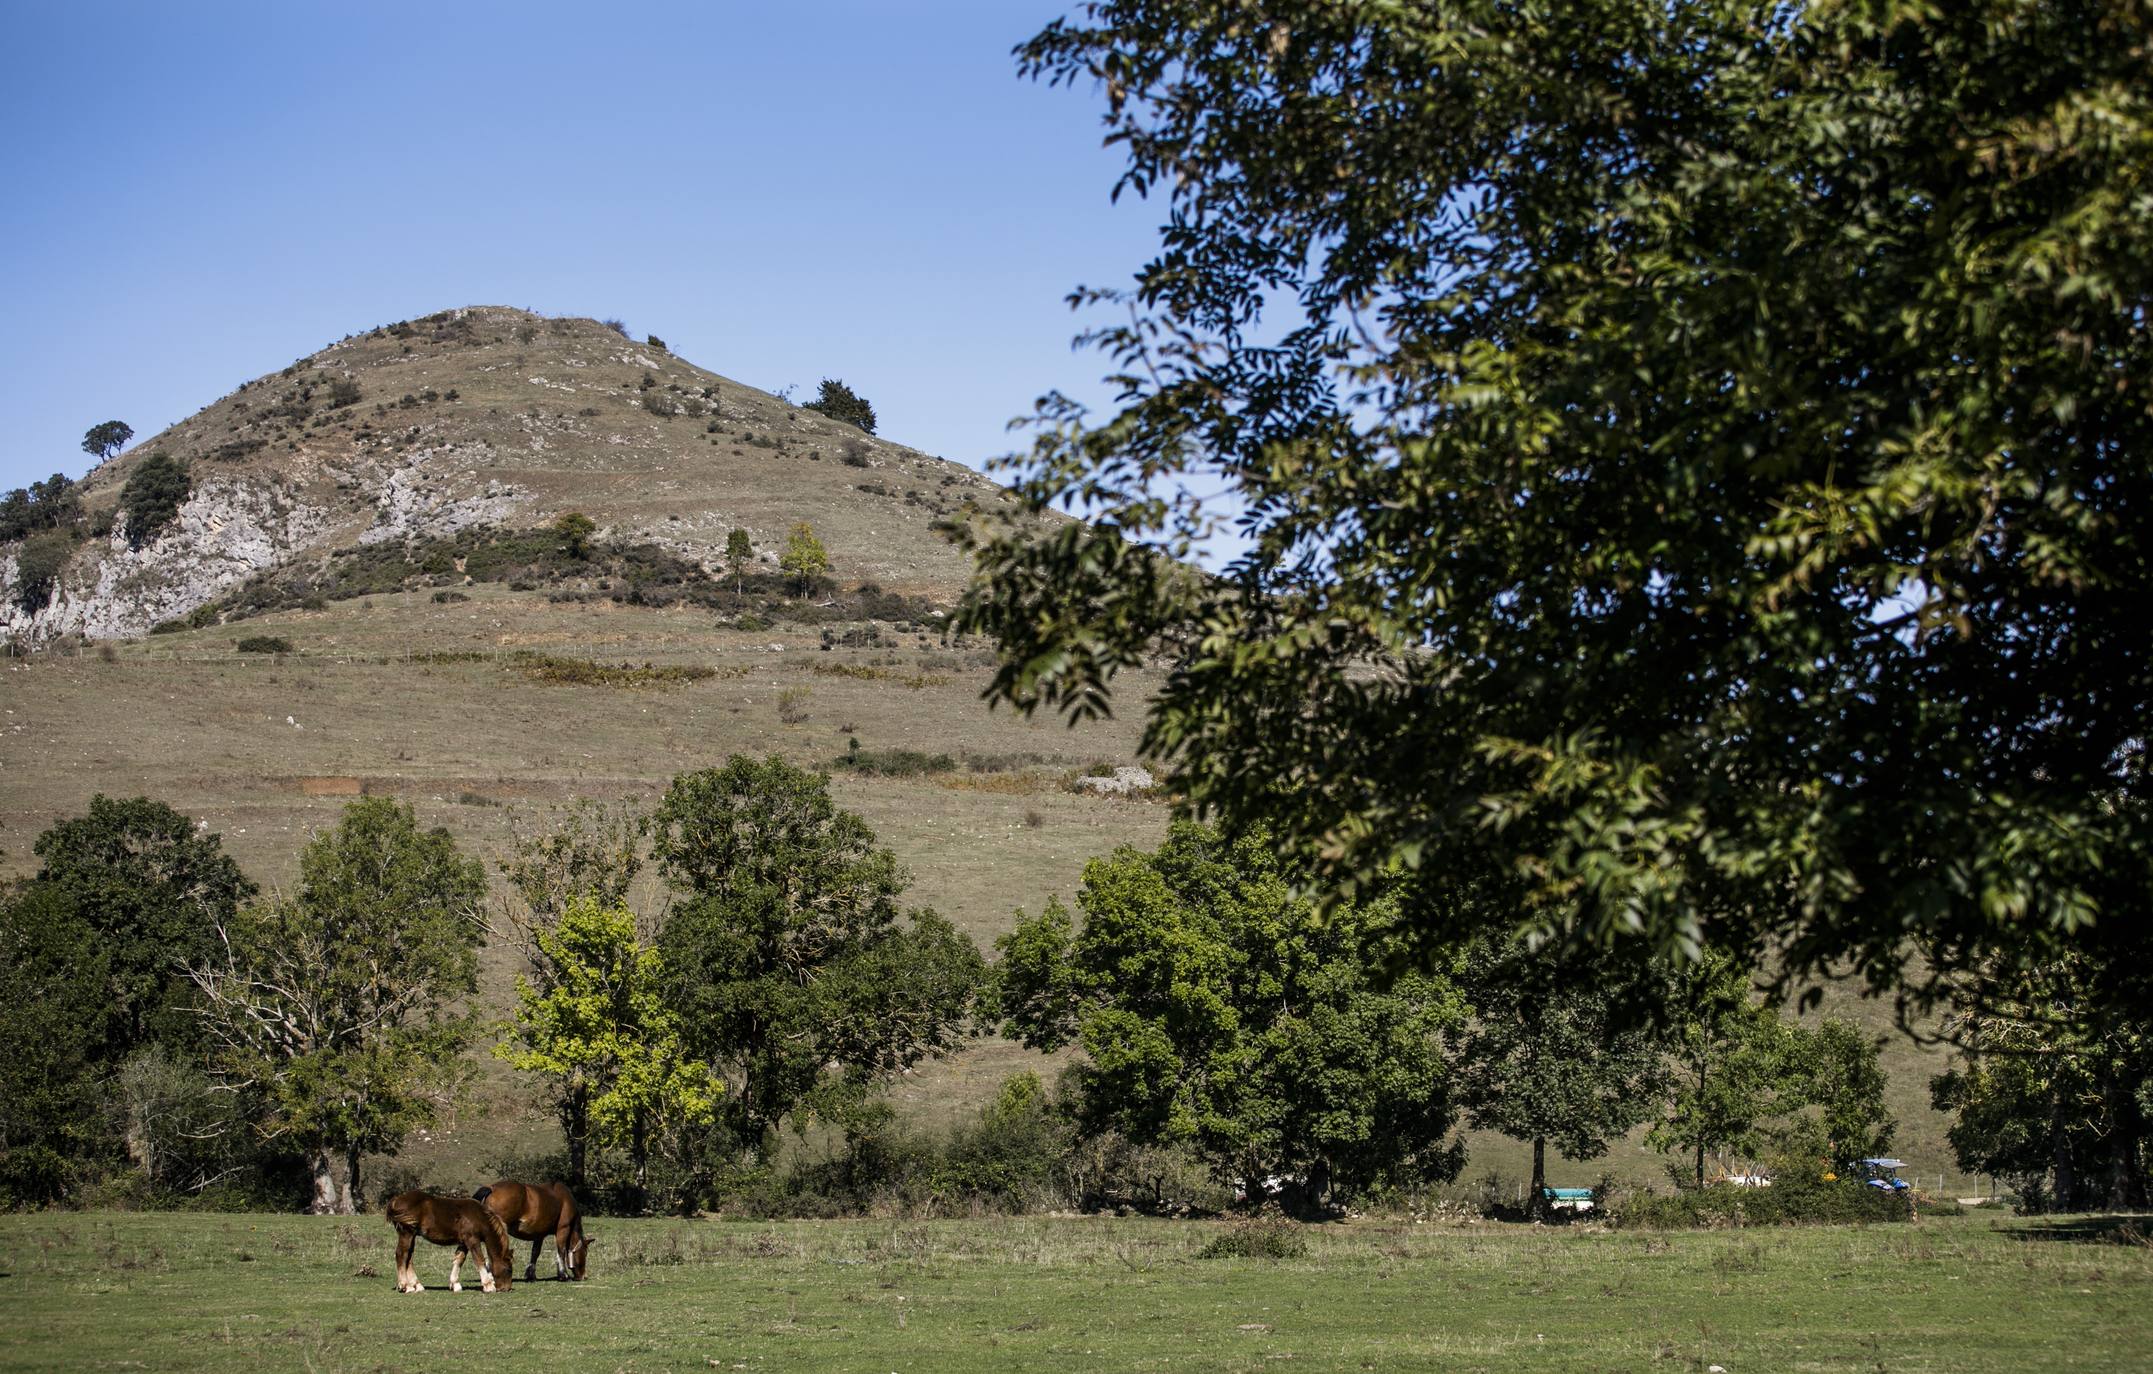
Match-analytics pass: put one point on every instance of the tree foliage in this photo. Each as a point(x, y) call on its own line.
point(103, 440)
point(53, 504)
point(339, 1005)
point(841, 402)
point(739, 557)
point(787, 955)
point(574, 529)
point(1551, 1054)
point(1216, 1008)
point(55, 1011)
point(592, 1018)
point(155, 491)
point(2054, 1087)
point(153, 890)
point(38, 565)
point(1745, 1080)
point(1684, 449)
point(804, 556)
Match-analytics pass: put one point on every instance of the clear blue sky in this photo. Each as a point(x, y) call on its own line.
point(196, 194)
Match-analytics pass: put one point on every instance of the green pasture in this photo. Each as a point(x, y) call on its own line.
point(1980, 1292)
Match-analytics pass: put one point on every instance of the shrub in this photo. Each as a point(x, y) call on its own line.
point(38, 567)
point(343, 392)
point(264, 644)
point(893, 763)
point(619, 328)
point(1787, 1203)
point(443, 598)
point(792, 705)
point(655, 342)
point(661, 405)
point(155, 491)
point(841, 402)
point(1258, 1240)
point(853, 454)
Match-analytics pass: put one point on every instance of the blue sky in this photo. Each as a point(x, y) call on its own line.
point(197, 194)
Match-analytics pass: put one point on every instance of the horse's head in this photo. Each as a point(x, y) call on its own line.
point(579, 1257)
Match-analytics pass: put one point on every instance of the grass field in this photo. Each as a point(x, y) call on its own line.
point(118, 1291)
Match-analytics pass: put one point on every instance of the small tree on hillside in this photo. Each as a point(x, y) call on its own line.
point(787, 954)
point(739, 557)
point(104, 440)
point(575, 530)
point(338, 1006)
point(1218, 1010)
point(38, 565)
point(592, 1019)
point(1548, 1056)
point(155, 491)
point(804, 557)
point(841, 402)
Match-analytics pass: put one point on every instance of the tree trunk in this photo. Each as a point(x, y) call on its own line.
point(2126, 1179)
point(321, 1170)
point(1536, 1205)
point(2066, 1170)
point(1700, 1164)
point(578, 1130)
point(351, 1180)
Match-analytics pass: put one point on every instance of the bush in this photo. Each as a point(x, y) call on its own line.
point(893, 763)
point(1258, 1240)
point(792, 705)
point(619, 328)
point(44, 557)
point(445, 598)
point(841, 402)
point(155, 491)
point(661, 405)
point(264, 644)
point(853, 454)
point(343, 392)
point(1786, 1203)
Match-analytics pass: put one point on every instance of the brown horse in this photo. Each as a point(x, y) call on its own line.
point(534, 1211)
point(456, 1221)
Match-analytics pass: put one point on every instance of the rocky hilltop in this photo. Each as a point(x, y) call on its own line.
point(490, 418)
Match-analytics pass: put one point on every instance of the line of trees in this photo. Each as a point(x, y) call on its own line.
point(1219, 1009)
point(739, 962)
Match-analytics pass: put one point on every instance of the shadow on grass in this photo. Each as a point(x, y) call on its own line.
point(2108, 1230)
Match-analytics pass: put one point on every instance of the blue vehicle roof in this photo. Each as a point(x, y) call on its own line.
point(1885, 1163)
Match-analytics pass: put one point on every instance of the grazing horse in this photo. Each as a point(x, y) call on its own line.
point(456, 1221)
point(534, 1211)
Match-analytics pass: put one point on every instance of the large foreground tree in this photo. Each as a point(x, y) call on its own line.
point(1693, 453)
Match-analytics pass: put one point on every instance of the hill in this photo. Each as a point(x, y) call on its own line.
point(492, 418)
point(436, 634)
